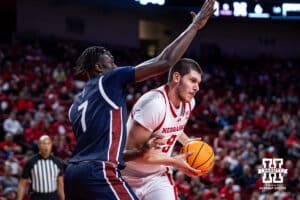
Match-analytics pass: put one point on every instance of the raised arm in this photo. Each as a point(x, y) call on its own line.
point(174, 51)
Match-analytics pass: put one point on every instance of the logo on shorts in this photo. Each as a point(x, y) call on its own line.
point(272, 172)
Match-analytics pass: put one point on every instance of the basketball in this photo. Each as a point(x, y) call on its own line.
point(203, 157)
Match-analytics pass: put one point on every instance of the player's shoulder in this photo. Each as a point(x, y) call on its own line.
point(118, 77)
point(153, 97)
point(151, 101)
point(156, 94)
point(120, 71)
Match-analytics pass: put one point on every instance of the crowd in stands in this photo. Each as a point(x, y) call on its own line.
point(246, 109)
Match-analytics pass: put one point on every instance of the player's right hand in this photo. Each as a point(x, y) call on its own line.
point(201, 18)
point(181, 164)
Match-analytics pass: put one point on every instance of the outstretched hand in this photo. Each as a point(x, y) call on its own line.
point(201, 18)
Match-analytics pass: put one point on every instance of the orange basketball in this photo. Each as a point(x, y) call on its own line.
point(203, 156)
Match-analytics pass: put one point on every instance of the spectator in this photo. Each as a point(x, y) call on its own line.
point(8, 180)
point(294, 143)
point(212, 193)
point(247, 180)
point(8, 146)
point(227, 191)
point(59, 74)
point(12, 125)
point(32, 134)
point(13, 162)
point(10, 193)
point(183, 187)
point(60, 127)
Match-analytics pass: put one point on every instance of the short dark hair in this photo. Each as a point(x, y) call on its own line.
point(183, 67)
point(88, 58)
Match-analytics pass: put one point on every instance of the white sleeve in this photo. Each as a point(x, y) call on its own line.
point(149, 110)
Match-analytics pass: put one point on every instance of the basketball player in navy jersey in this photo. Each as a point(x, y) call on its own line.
point(98, 116)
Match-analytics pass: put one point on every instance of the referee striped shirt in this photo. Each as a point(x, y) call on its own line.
point(43, 173)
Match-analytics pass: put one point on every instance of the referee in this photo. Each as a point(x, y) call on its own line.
point(45, 173)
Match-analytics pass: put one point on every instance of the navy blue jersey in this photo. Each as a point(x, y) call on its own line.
point(98, 117)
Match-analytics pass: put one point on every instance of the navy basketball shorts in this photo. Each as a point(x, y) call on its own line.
point(95, 181)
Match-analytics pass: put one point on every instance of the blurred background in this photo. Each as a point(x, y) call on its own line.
point(247, 107)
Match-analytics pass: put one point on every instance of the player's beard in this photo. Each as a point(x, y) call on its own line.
point(181, 96)
point(182, 93)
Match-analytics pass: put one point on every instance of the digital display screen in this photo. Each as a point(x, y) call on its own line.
point(266, 9)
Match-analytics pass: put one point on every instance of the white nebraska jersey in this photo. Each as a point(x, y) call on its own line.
point(155, 112)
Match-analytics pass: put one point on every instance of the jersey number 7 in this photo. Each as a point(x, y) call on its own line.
point(83, 107)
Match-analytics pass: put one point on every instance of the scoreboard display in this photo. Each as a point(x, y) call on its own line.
point(258, 9)
point(267, 9)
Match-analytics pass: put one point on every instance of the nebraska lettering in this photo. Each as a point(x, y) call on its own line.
point(173, 129)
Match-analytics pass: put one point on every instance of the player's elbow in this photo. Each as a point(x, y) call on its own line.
point(165, 60)
point(165, 65)
point(152, 69)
